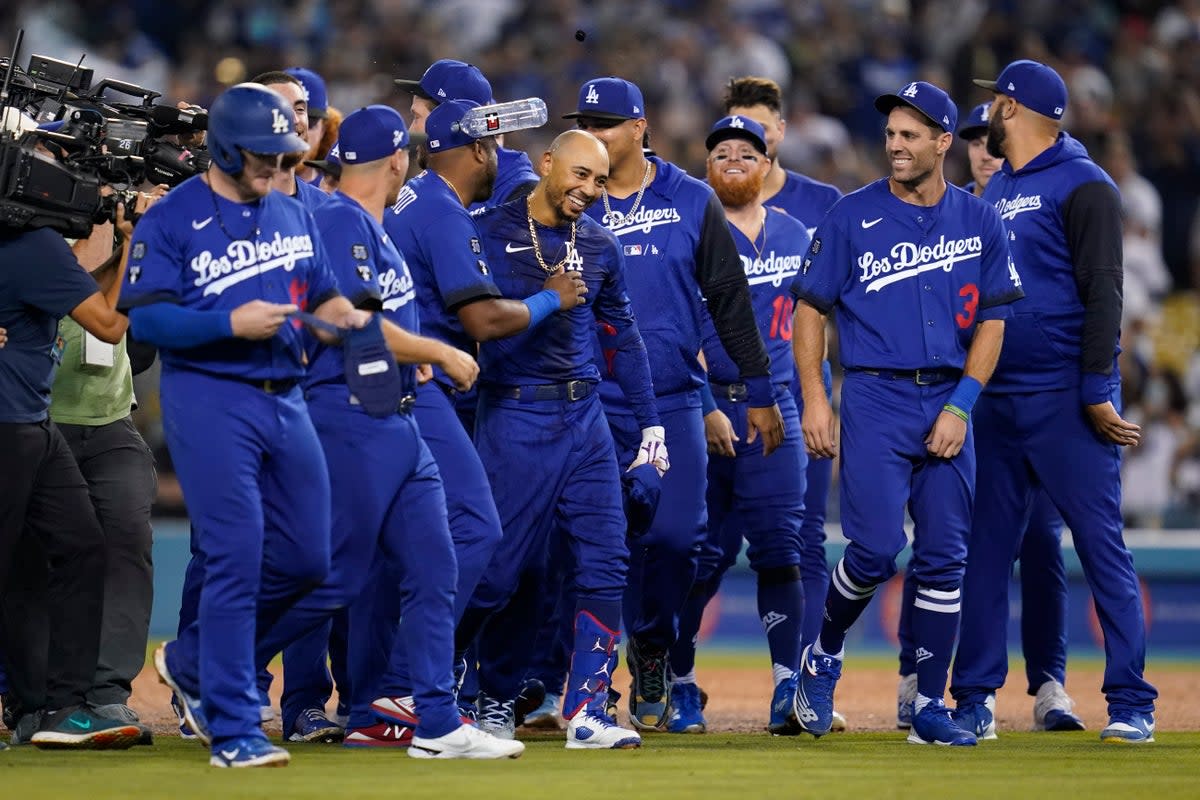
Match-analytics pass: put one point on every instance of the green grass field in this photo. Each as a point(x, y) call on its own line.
point(716, 766)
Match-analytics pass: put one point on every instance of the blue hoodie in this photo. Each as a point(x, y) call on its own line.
point(1062, 213)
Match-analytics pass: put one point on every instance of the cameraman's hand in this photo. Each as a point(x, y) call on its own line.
point(124, 226)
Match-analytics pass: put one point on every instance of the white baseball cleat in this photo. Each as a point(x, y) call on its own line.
point(466, 741)
point(591, 730)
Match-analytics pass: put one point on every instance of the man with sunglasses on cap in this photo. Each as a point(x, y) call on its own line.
point(460, 305)
point(749, 495)
point(1051, 416)
point(1043, 573)
point(920, 276)
point(448, 79)
point(681, 255)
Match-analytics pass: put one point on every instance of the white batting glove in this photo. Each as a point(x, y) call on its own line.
point(653, 450)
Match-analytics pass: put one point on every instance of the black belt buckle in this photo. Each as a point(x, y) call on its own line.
point(577, 390)
point(405, 406)
point(738, 392)
point(927, 379)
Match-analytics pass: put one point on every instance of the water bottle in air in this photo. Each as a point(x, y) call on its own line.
point(498, 118)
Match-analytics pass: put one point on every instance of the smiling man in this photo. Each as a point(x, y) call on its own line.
point(919, 273)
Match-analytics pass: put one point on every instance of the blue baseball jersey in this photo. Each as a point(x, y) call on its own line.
point(659, 241)
point(804, 199)
point(771, 264)
point(1044, 340)
point(310, 195)
point(909, 282)
point(370, 272)
point(515, 177)
point(443, 249)
point(562, 348)
point(197, 249)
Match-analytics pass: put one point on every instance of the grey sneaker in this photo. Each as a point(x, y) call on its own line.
point(25, 727)
point(123, 713)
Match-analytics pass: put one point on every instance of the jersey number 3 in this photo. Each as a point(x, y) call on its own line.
point(970, 295)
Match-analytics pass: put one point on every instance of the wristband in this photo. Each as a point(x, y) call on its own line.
point(1095, 388)
point(965, 394)
point(541, 305)
point(759, 391)
point(708, 403)
point(956, 411)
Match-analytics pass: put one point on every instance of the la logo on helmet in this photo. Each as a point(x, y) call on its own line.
point(279, 123)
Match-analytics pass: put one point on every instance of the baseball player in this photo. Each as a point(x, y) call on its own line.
point(215, 269)
point(387, 488)
point(681, 253)
point(1043, 573)
point(459, 305)
point(748, 495)
point(919, 274)
point(448, 79)
point(1051, 417)
point(539, 403)
point(809, 201)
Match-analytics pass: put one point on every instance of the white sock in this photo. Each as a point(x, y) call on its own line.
point(920, 703)
point(817, 651)
point(684, 679)
point(781, 673)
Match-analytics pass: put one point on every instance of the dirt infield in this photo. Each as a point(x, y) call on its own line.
point(866, 696)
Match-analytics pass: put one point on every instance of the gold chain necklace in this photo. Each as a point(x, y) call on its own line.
point(537, 247)
point(614, 219)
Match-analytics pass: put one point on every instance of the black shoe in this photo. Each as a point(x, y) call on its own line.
point(529, 699)
point(78, 727)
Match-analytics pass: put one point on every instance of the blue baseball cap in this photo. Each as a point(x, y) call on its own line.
point(1033, 85)
point(976, 123)
point(448, 79)
point(331, 164)
point(926, 98)
point(371, 133)
point(314, 91)
point(442, 126)
point(737, 127)
point(609, 98)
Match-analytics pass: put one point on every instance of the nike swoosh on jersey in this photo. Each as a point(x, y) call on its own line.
point(508, 248)
point(872, 223)
point(200, 224)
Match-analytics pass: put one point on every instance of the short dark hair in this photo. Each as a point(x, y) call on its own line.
point(753, 91)
point(275, 76)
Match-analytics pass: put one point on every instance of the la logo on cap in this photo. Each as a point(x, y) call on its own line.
point(736, 122)
point(592, 97)
point(397, 138)
point(983, 112)
point(1011, 88)
point(910, 90)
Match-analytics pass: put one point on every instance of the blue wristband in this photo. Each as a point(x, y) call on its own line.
point(708, 403)
point(1095, 388)
point(541, 305)
point(760, 391)
point(965, 394)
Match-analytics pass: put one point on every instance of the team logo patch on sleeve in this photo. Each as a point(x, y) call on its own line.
point(139, 250)
point(364, 272)
point(476, 248)
point(358, 252)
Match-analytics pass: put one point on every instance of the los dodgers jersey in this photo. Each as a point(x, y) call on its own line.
point(443, 249)
point(309, 195)
point(562, 347)
point(672, 251)
point(195, 248)
point(771, 264)
point(1044, 341)
point(908, 282)
point(370, 272)
point(804, 199)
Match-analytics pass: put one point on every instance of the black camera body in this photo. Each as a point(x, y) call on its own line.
point(96, 141)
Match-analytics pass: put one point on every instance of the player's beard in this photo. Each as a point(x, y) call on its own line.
point(292, 160)
point(996, 135)
point(735, 192)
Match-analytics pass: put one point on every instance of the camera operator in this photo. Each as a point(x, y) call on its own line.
point(91, 400)
point(42, 491)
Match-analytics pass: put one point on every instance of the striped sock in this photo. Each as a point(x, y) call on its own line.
point(846, 600)
point(934, 627)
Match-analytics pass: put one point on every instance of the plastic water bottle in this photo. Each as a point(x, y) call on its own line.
point(498, 118)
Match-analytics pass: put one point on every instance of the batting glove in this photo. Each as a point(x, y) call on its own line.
point(653, 450)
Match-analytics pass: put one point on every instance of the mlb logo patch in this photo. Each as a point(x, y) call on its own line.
point(633, 249)
point(359, 252)
point(475, 246)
